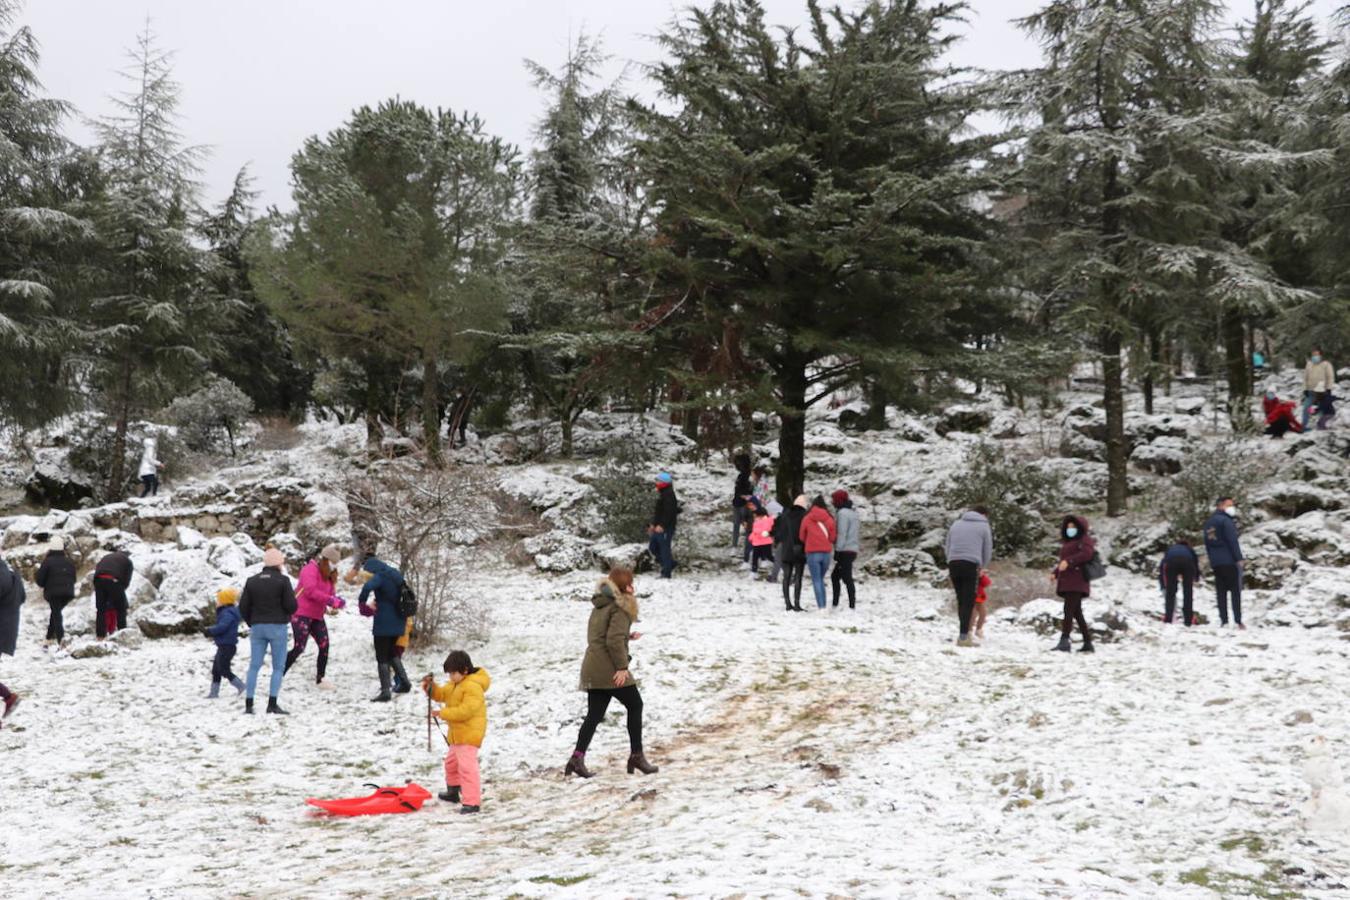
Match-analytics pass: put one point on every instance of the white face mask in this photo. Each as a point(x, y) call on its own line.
point(1232, 511)
point(1071, 531)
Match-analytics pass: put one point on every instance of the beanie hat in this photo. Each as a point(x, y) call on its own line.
point(839, 497)
point(331, 554)
point(227, 596)
point(664, 478)
point(273, 559)
point(775, 508)
point(801, 501)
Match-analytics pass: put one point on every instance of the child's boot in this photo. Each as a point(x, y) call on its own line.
point(215, 691)
point(577, 765)
point(450, 794)
point(237, 683)
point(466, 809)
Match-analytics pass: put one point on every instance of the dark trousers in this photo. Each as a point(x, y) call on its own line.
point(56, 623)
point(792, 580)
point(5, 693)
point(1073, 612)
point(1186, 578)
point(220, 666)
point(385, 659)
point(1228, 582)
point(660, 548)
point(302, 629)
point(762, 553)
point(149, 485)
point(597, 702)
point(843, 572)
point(965, 578)
point(110, 607)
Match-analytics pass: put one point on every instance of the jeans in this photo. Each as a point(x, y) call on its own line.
point(149, 485)
point(1186, 578)
point(843, 572)
point(965, 576)
point(737, 519)
point(597, 702)
point(818, 564)
point(261, 638)
point(659, 545)
point(1228, 581)
point(220, 666)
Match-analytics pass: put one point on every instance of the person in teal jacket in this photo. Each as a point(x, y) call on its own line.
point(385, 584)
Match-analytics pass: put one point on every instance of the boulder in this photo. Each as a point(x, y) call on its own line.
point(542, 489)
point(1076, 445)
point(1291, 499)
point(55, 482)
point(896, 563)
point(1081, 481)
point(290, 547)
point(1269, 570)
point(92, 649)
point(1042, 615)
point(910, 526)
point(963, 418)
point(1162, 457)
point(631, 556)
point(1008, 425)
point(1188, 406)
point(559, 551)
point(1139, 548)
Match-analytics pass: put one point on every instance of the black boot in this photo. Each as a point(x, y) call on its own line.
point(466, 809)
point(248, 706)
point(383, 696)
point(1063, 643)
point(1087, 646)
point(401, 683)
point(274, 709)
point(450, 794)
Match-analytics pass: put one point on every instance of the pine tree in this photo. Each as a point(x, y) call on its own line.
point(150, 315)
point(814, 201)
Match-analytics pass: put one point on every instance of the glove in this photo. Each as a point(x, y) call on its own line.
point(207, 632)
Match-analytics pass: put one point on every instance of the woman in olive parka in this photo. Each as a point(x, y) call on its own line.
point(604, 670)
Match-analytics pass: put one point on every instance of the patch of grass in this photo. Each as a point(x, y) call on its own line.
point(1251, 842)
point(97, 775)
point(560, 880)
point(1195, 876)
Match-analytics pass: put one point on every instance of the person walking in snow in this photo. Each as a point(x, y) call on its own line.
point(384, 586)
point(605, 672)
point(1319, 376)
point(12, 596)
point(981, 613)
point(787, 538)
point(775, 511)
point(149, 470)
point(1179, 566)
point(1225, 559)
point(761, 537)
point(1280, 418)
point(267, 604)
point(969, 550)
point(112, 578)
point(1323, 405)
point(847, 545)
point(741, 493)
point(818, 533)
point(664, 519)
point(1076, 549)
point(466, 710)
point(56, 577)
point(226, 635)
point(314, 597)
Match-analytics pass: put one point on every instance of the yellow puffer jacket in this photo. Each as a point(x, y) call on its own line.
point(465, 707)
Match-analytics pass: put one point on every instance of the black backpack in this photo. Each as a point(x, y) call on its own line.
point(407, 601)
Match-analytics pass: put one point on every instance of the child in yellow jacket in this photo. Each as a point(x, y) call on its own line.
point(466, 710)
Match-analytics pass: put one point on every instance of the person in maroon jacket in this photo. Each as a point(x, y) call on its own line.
point(1076, 550)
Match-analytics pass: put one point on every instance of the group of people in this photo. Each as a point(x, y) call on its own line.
point(803, 538)
point(1319, 386)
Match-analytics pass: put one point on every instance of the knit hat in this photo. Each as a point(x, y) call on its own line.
point(801, 501)
point(664, 478)
point(331, 554)
point(273, 558)
point(775, 508)
point(227, 596)
point(839, 497)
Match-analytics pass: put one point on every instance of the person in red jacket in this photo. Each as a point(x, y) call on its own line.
point(817, 533)
point(981, 604)
point(1280, 416)
point(1076, 550)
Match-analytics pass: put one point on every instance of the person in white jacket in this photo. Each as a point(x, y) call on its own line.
point(149, 470)
point(847, 545)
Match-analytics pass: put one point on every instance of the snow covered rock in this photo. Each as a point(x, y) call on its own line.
point(1139, 548)
point(1042, 616)
point(1291, 499)
point(910, 526)
point(1080, 480)
point(91, 649)
point(55, 482)
point(290, 547)
point(1076, 445)
point(1162, 457)
point(1008, 425)
point(190, 538)
point(542, 489)
point(896, 563)
point(631, 556)
point(1188, 406)
point(964, 418)
point(559, 551)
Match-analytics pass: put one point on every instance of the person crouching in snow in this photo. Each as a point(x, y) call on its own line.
point(226, 635)
point(466, 710)
point(761, 538)
point(1280, 416)
point(981, 604)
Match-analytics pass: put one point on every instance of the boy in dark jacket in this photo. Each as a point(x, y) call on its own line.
point(56, 577)
point(1225, 558)
point(226, 635)
point(1181, 566)
point(662, 528)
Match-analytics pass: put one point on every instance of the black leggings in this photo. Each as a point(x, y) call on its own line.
point(1073, 612)
point(1228, 583)
point(56, 625)
point(843, 571)
point(597, 702)
point(792, 577)
point(965, 577)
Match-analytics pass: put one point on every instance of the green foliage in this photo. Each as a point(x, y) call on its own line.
point(93, 449)
point(1224, 468)
point(624, 492)
point(210, 418)
point(1015, 494)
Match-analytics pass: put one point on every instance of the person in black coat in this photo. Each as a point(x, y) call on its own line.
point(12, 596)
point(1179, 565)
point(56, 577)
point(662, 527)
point(267, 604)
point(787, 539)
point(112, 577)
point(739, 495)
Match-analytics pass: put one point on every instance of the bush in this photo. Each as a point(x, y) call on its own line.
point(1015, 494)
point(623, 491)
point(1221, 468)
point(209, 419)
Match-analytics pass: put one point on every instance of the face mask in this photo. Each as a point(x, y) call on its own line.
point(1232, 511)
point(1316, 359)
point(1071, 531)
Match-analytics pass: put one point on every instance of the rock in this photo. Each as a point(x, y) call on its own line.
point(1042, 616)
point(1108, 625)
point(92, 649)
point(290, 546)
point(852, 420)
point(896, 563)
point(1299, 717)
point(908, 428)
point(1008, 425)
point(189, 538)
point(1076, 445)
point(559, 551)
point(963, 418)
point(1162, 457)
point(1081, 481)
point(910, 526)
point(1291, 499)
point(1139, 548)
point(1188, 406)
point(631, 556)
point(1269, 570)
point(55, 482)
point(926, 615)
point(542, 489)
point(934, 543)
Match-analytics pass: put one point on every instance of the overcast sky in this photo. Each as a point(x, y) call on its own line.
point(260, 76)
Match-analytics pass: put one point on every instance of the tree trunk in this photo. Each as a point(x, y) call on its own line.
point(117, 472)
point(431, 411)
point(566, 422)
point(874, 419)
point(1238, 367)
point(1117, 454)
point(1152, 367)
point(690, 424)
point(791, 470)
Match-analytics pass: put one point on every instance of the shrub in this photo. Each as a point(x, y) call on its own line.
point(1015, 494)
point(623, 491)
point(1220, 468)
point(209, 418)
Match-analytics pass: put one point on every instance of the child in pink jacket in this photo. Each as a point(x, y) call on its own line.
point(761, 539)
point(315, 596)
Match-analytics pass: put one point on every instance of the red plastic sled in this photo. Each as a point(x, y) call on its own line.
point(406, 799)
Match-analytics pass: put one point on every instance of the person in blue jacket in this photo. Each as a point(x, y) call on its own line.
point(1179, 566)
point(1225, 558)
point(385, 583)
point(226, 635)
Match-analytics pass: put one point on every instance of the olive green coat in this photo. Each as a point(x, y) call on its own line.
point(607, 637)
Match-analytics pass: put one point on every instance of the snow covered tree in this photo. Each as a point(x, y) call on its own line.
point(814, 200)
point(392, 257)
point(150, 315)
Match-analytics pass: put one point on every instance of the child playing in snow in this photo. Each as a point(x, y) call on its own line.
point(982, 603)
point(226, 635)
point(466, 710)
point(761, 540)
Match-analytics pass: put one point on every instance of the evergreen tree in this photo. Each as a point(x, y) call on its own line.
point(150, 315)
point(814, 200)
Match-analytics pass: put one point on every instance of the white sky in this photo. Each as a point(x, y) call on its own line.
point(260, 76)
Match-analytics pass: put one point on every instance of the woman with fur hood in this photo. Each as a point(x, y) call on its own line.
point(1076, 550)
point(604, 670)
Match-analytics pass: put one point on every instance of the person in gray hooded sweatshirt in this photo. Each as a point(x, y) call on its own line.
point(970, 549)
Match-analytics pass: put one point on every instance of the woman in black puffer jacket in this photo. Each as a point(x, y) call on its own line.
point(56, 577)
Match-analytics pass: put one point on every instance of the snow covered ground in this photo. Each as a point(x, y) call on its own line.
point(820, 754)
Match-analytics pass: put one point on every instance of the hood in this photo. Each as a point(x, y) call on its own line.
point(775, 508)
point(380, 567)
point(971, 515)
point(480, 678)
point(227, 596)
point(608, 592)
point(1083, 528)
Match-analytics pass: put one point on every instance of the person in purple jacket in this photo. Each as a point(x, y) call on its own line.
point(1076, 550)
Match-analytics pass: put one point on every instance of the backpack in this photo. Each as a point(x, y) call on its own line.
point(407, 601)
point(1094, 568)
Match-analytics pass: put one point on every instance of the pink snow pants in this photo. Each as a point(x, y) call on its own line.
point(461, 768)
